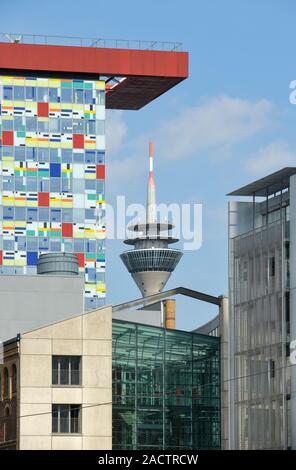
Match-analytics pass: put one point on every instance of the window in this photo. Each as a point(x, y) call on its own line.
point(19, 93)
point(66, 125)
point(66, 418)
point(66, 370)
point(5, 383)
point(7, 92)
point(66, 95)
point(78, 96)
point(31, 124)
point(90, 127)
point(42, 94)
point(272, 266)
point(78, 126)
point(30, 93)
point(7, 125)
point(13, 379)
point(54, 125)
point(53, 95)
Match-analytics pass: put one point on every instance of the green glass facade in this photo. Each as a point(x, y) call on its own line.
point(166, 389)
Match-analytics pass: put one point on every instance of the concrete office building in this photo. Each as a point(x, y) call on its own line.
point(56, 389)
point(262, 316)
point(28, 302)
point(56, 380)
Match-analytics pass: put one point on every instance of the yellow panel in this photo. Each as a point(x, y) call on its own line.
point(31, 82)
point(32, 203)
point(100, 85)
point(54, 145)
point(20, 262)
point(67, 145)
point(7, 80)
point(8, 262)
point(52, 82)
point(42, 82)
point(19, 104)
point(19, 81)
point(91, 146)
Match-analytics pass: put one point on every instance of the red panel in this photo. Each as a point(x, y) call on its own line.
point(7, 137)
point(80, 257)
point(100, 172)
point(1, 257)
point(42, 109)
point(92, 60)
point(43, 199)
point(149, 73)
point(67, 230)
point(78, 141)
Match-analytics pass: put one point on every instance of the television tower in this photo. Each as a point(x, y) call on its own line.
point(151, 262)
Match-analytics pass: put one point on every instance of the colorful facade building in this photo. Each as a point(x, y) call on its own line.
point(52, 143)
point(52, 175)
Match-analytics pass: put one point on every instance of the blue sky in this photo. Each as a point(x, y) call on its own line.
point(228, 124)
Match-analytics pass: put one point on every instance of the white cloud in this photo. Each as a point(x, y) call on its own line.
point(273, 157)
point(218, 122)
point(116, 130)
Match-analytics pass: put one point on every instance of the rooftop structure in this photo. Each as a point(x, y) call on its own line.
point(135, 72)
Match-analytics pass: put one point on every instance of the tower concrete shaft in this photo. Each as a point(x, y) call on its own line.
point(151, 262)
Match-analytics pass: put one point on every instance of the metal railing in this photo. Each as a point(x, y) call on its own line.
point(90, 42)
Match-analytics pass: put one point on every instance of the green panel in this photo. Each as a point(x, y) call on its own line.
point(66, 84)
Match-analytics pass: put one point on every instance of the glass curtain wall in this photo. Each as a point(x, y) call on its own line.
point(261, 326)
point(166, 389)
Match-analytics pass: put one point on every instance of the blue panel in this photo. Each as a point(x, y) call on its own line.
point(32, 258)
point(55, 169)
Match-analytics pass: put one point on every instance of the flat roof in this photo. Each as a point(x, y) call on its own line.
point(270, 184)
point(140, 75)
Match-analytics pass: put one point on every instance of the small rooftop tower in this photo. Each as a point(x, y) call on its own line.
point(152, 261)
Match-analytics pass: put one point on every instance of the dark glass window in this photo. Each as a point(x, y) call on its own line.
point(6, 383)
point(66, 370)
point(30, 93)
point(13, 378)
point(7, 92)
point(66, 419)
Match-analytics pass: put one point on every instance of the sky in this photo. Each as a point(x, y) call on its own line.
point(228, 124)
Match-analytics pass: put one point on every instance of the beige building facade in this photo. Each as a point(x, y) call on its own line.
point(56, 386)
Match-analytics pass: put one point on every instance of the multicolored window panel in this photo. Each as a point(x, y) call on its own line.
point(52, 172)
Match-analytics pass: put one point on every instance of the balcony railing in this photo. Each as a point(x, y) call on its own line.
point(18, 38)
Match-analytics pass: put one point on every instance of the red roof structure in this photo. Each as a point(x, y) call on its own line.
point(134, 77)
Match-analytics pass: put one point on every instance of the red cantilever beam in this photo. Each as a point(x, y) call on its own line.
point(149, 73)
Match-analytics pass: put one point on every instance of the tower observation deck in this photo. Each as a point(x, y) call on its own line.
point(152, 261)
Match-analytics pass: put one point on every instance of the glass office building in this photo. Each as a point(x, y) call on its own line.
point(262, 313)
point(166, 388)
point(52, 175)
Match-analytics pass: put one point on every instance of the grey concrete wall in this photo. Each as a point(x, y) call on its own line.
point(146, 317)
point(29, 302)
